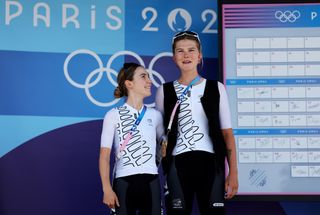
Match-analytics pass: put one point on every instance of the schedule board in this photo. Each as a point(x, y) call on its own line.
point(270, 61)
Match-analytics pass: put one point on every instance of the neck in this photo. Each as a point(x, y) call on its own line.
point(186, 79)
point(135, 102)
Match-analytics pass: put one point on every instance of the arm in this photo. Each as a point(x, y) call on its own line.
point(231, 184)
point(160, 107)
point(159, 100)
point(109, 196)
point(161, 137)
point(107, 137)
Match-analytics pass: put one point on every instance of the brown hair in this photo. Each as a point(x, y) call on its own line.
point(125, 73)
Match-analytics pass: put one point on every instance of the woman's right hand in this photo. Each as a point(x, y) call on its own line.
point(110, 199)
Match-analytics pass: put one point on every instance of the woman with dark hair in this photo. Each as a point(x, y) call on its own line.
point(200, 137)
point(133, 130)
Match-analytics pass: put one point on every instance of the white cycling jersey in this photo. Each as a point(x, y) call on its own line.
point(139, 155)
point(193, 133)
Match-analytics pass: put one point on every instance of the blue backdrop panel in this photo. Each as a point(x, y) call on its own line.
point(54, 173)
point(151, 24)
point(62, 26)
point(59, 62)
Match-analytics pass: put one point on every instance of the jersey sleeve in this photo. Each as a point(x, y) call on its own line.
point(159, 99)
point(225, 116)
point(108, 129)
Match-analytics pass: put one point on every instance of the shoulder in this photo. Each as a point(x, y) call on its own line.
point(211, 86)
point(168, 84)
point(154, 112)
point(212, 82)
point(217, 83)
point(168, 87)
point(160, 89)
point(221, 87)
point(111, 114)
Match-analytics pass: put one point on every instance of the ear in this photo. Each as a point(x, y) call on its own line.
point(128, 84)
point(174, 58)
point(200, 57)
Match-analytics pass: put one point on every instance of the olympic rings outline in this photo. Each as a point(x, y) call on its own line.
point(98, 72)
point(287, 16)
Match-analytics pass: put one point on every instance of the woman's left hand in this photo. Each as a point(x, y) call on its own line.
point(231, 186)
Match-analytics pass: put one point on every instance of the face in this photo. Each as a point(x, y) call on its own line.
point(141, 83)
point(186, 55)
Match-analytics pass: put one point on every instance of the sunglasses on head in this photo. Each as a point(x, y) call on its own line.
point(186, 33)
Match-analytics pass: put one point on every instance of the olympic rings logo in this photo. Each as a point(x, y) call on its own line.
point(98, 72)
point(287, 16)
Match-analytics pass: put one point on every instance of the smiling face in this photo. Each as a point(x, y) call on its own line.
point(187, 55)
point(141, 83)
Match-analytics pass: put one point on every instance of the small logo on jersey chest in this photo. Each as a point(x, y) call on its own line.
point(149, 122)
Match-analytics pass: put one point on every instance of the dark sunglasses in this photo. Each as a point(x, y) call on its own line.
point(186, 33)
